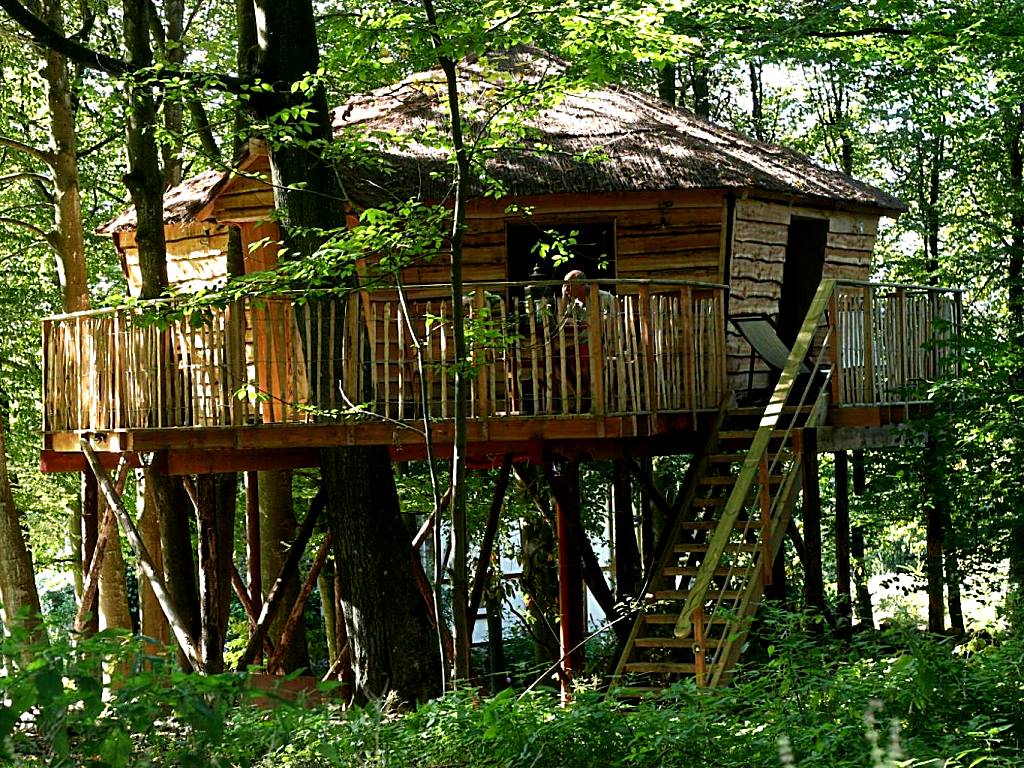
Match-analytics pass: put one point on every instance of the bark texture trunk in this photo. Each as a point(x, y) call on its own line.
point(277, 530)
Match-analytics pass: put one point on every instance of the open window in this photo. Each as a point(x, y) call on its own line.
point(539, 252)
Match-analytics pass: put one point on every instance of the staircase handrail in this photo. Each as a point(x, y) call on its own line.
point(749, 472)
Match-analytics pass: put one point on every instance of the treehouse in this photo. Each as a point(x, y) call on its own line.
point(725, 314)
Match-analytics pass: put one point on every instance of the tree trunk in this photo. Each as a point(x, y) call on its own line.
point(277, 530)
point(113, 586)
point(935, 518)
point(152, 622)
point(389, 631)
point(667, 83)
point(174, 510)
point(388, 628)
point(628, 567)
point(215, 528)
point(144, 179)
point(17, 577)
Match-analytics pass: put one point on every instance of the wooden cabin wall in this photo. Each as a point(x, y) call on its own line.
point(760, 231)
point(196, 256)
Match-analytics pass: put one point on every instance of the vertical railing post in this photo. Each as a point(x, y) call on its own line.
point(869, 346)
point(647, 351)
point(834, 332)
point(686, 342)
point(483, 400)
point(699, 661)
point(595, 349)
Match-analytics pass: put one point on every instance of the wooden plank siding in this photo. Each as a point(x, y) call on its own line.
point(760, 233)
point(196, 256)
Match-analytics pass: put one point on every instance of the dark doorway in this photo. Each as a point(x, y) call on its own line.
point(548, 252)
point(801, 274)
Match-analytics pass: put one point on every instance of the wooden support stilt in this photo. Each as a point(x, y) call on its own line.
point(89, 532)
point(185, 641)
point(291, 566)
point(844, 609)
point(814, 588)
point(628, 565)
point(570, 575)
point(254, 574)
point(90, 586)
point(865, 613)
point(480, 577)
point(295, 616)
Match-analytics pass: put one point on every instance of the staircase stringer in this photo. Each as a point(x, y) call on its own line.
point(736, 631)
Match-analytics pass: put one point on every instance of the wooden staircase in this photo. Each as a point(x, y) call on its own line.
point(715, 559)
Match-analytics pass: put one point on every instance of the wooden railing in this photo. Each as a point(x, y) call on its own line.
point(632, 347)
point(909, 340)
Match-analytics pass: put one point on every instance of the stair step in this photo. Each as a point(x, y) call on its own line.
point(710, 525)
point(731, 480)
point(672, 618)
point(748, 435)
point(706, 502)
point(712, 594)
point(754, 410)
point(684, 549)
point(691, 570)
point(673, 642)
point(738, 458)
point(660, 667)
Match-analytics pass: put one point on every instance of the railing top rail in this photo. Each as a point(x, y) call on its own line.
point(170, 302)
point(898, 286)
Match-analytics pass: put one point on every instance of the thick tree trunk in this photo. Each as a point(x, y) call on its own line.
point(389, 631)
point(667, 83)
point(388, 628)
point(113, 591)
point(277, 530)
point(174, 510)
point(215, 527)
point(144, 179)
point(67, 205)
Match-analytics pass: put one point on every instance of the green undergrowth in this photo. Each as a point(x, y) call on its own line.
point(892, 699)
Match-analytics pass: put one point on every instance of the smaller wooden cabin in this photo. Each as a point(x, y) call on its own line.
point(680, 223)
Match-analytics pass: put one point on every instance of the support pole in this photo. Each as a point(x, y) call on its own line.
point(628, 565)
point(106, 487)
point(252, 541)
point(90, 535)
point(844, 609)
point(570, 574)
point(814, 588)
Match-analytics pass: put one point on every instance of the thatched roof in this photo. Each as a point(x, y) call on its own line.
point(603, 139)
point(181, 203)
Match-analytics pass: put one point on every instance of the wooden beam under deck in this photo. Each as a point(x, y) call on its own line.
point(191, 450)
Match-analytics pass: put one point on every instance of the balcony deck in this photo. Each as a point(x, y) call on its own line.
point(265, 382)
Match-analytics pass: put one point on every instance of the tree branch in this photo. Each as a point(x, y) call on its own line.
point(27, 175)
point(50, 238)
point(46, 36)
point(42, 155)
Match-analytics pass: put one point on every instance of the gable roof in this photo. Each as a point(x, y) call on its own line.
point(603, 139)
